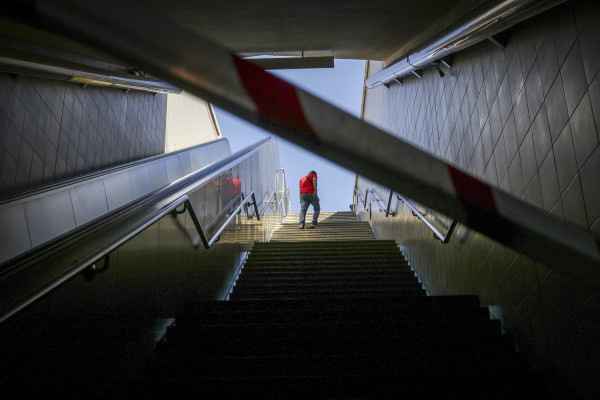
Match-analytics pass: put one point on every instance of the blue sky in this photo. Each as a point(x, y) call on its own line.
point(342, 86)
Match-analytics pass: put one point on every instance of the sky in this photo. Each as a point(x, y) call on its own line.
point(341, 86)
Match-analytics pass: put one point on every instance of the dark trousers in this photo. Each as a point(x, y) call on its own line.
point(306, 200)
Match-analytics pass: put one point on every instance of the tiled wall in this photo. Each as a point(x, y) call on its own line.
point(51, 130)
point(525, 118)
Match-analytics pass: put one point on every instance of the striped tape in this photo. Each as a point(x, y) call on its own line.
point(473, 190)
point(273, 97)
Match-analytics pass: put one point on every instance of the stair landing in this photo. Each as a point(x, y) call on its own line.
point(332, 226)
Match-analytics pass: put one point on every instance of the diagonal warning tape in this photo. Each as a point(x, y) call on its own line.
point(470, 189)
point(212, 72)
point(274, 99)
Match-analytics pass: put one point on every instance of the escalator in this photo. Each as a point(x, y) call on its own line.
point(82, 311)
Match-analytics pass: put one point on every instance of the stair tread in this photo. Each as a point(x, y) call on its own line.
point(314, 310)
point(406, 302)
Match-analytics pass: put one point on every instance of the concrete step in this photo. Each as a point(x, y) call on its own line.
point(342, 365)
point(361, 264)
point(339, 226)
point(316, 314)
point(408, 344)
point(421, 384)
point(341, 245)
point(269, 278)
point(365, 284)
point(415, 305)
point(323, 294)
point(199, 318)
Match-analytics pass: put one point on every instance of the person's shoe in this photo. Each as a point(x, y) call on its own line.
point(313, 224)
point(301, 226)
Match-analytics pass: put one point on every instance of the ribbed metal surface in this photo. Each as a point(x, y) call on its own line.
point(332, 226)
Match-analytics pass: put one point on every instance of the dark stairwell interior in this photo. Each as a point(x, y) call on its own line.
point(334, 313)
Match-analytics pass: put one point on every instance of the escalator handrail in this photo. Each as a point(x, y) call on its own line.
point(11, 197)
point(105, 234)
point(255, 204)
point(142, 202)
point(208, 243)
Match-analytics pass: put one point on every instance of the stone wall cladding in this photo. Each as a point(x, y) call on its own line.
point(51, 130)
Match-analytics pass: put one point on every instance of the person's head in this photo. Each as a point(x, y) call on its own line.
point(312, 172)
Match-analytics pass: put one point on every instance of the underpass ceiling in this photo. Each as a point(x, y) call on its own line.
point(351, 29)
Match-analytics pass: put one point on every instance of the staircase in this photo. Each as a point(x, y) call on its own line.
point(336, 226)
point(333, 313)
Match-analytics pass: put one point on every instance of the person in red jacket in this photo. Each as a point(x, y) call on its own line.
point(308, 196)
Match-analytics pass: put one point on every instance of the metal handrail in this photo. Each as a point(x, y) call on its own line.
point(284, 193)
point(480, 24)
point(358, 196)
point(386, 211)
point(90, 260)
point(77, 250)
point(249, 200)
point(187, 206)
point(255, 204)
point(436, 232)
point(374, 195)
point(285, 207)
point(97, 174)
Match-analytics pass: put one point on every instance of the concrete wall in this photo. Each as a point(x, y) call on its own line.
point(190, 121)
point(525, 118)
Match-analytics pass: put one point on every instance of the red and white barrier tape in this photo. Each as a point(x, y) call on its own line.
point(213, 73)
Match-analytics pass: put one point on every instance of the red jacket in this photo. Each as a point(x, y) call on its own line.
point(306, 185)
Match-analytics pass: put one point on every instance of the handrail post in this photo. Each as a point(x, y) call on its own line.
point(285, 193)
point(387, 210)
point(450, 231)
point(192, 212)
point(208, 243)
point(436, 232)
point(258, 217)
point(253, 203)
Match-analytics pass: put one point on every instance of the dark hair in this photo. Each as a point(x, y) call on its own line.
point(312, 172)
